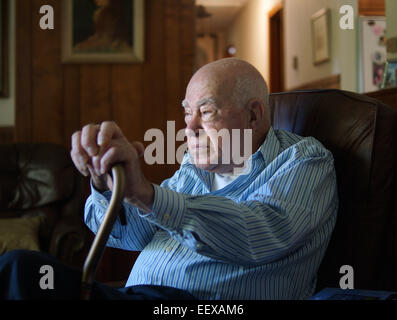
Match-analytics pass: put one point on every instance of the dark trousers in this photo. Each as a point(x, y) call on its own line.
point(23, 277)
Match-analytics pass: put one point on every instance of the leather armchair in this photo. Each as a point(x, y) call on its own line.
point(361, 132)
point(39, 180)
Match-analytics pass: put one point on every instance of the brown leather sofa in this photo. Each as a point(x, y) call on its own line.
point(41, 202)
point(361, 132)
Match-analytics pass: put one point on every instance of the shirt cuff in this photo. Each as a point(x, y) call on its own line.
point(100, 199)
point(168, 209)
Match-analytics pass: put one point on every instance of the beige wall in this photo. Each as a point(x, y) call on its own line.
point(298, 42)
point(7, 105)
point(249, 34)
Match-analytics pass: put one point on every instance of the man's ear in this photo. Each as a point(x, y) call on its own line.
point(256, 109)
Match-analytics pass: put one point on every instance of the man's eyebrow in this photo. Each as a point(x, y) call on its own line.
point(201, 102)
point(206, 101)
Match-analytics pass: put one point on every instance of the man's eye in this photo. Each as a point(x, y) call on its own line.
point(207, 112)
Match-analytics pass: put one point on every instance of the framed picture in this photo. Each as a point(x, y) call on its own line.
point(321, 36)
point(390, 75)
point(372, 52)
point(3, 49)
point(103, 31)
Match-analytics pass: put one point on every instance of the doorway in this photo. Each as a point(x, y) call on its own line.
point(276, 50)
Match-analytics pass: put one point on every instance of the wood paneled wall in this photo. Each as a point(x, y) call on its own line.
point(6, 135)
point(53, 99)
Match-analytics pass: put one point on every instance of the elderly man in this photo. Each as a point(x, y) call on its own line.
point(211, 231)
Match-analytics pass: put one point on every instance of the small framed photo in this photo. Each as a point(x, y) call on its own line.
point(321, 36)
point(390, 75)
point(103, 31)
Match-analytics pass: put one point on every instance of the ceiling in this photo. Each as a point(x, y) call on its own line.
point(222, 13)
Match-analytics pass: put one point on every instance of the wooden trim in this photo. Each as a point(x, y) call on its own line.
point(382, 92)
point(277, 9)
point(331, 82)
point(371, 7)
point(387, 96)
point(7, 135)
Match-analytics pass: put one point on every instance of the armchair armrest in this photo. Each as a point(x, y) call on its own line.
point(68, 241)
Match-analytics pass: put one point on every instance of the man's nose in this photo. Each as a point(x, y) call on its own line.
point(193, 125)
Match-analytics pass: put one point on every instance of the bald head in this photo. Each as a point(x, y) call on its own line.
point(236, 79)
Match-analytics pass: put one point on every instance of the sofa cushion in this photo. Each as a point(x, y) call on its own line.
point(20, 233)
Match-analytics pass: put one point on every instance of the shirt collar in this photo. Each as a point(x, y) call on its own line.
point(269, 149)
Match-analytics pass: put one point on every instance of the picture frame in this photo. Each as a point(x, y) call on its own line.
point(320, 23)
point(373, 53)
point(390, 75)
point(4, 49)
point(103, 31)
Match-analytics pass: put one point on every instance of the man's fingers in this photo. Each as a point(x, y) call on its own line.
point(96, 164)
point(99, 181)
point(108, 131)
point(98, 147)
point(139, 147)
point(89, 135)
point(118, 152)
point(78, 155)
point(111, 156)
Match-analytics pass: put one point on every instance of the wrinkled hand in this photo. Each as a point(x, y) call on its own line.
point(96, 148)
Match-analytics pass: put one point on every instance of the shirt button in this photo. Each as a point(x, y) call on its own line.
point(168, 249)
point(103, 202)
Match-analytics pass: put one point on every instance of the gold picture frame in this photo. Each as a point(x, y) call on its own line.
point(320, 23)
point(103, 31)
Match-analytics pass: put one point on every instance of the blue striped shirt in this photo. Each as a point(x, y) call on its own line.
point(263, 236)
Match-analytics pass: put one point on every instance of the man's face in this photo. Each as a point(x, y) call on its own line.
point(210, 114)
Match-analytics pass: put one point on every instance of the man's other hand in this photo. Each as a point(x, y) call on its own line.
point(96, 148)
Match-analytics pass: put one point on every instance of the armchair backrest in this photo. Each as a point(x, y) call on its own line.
point(39, 179)
point(361, 132)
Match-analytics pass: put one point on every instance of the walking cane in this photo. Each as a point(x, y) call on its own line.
point(98, 245)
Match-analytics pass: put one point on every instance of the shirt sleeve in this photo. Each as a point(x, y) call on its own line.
point(298, 199)
point(135, 235)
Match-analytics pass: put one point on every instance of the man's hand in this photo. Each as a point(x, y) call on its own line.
point(96, 148)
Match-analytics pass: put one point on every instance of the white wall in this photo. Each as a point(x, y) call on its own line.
point(249, 34)
point(7, 105)
point(298, 42)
